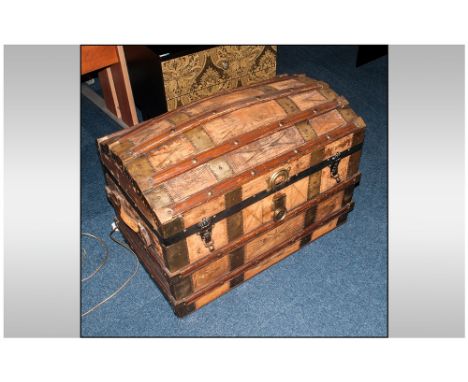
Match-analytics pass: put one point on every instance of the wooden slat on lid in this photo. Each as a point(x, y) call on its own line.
point(212, 116)
point(198, 158)
point(199, 105)
point(177, 158)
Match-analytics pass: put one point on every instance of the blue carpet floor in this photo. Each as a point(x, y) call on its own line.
point(336, 286)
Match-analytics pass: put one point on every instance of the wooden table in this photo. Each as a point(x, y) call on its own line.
point(110, 63)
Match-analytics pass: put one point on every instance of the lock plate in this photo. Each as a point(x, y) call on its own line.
point(279, 207)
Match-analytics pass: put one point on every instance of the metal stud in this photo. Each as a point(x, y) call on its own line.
point(210, 193)
point(194, 160)
point(252, 172)
point(236, 142)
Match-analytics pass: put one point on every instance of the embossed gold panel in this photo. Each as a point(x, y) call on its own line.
point(194, 76)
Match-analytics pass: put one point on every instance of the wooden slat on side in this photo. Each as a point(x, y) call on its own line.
point(280, 255)
point(329, 206)
point(213, 290)
point(273, 238)
point(210, 296)
point(211, 293)
point(261, 229)
point(320, 228)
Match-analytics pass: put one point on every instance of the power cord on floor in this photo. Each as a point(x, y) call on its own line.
point(103, 262)
point(84, 254)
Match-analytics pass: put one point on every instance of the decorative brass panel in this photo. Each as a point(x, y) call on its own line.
point(178, 118)
point(220, 168)
point(237, 258)
point(183, 288)
point(315, 179)
point(176, 255)
point(199, 138)
point(306, 130)
point(288, 105)
point(235, 222)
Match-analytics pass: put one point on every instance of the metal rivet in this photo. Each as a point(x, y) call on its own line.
point(252, 172)
point(281, 123)
point(296, 152)
point(236, 142)
point(210, 193)
point(194, 160)
point(172, 130)
point(328, 137)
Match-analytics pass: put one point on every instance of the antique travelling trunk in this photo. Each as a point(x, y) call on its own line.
point(214, 192)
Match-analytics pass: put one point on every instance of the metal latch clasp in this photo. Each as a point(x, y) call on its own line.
point(206, 228)
point(335, 161)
